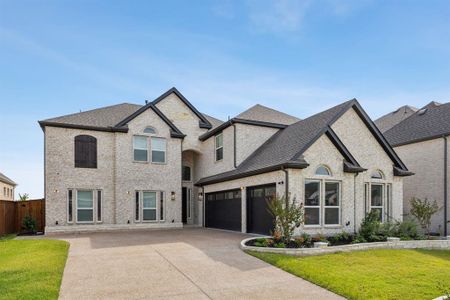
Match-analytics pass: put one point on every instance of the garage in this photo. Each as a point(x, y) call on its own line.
point(223, 210)
point(259, 219)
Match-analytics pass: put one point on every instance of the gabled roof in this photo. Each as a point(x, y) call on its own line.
point(5, 179)
point(391, 119)
point(213, 121)
point(174, 131)
point(285, 148)
point(203, 122)
point(259, 112)
point(429, 122)
point(102, 119)
point(232, 121)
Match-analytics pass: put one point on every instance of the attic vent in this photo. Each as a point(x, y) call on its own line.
point(422, 111)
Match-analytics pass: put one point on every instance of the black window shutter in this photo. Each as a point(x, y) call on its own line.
point(85, 151)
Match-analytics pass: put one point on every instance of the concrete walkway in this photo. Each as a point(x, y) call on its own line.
point(174, 264)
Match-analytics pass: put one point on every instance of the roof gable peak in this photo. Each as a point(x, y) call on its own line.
point(203, 121)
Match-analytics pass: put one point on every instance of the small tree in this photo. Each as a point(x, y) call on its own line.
point(288, 216)
point(24, 197)
point(423, 210)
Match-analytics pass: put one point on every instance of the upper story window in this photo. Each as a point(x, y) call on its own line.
point(158, 150)
point(186, 173)
point(85, 151)
point(219, 146)
point(323, 171)
point(377, 175)
point(140, 148)
point(150, 130)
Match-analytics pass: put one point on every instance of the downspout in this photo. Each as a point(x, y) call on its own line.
point(354, 202)
point(445, 184)
point(204, 199)
point(286, 183)
point(234, 145)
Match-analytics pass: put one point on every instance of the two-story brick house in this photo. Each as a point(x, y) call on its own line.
point(165, 164)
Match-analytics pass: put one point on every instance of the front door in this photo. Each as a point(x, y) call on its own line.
point(184, 205)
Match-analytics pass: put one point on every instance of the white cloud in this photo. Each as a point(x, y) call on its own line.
point(277, 16)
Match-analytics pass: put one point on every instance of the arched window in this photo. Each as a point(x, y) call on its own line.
point(150, 130)
point(377, 175)
point(85, 151)
point(323, 171)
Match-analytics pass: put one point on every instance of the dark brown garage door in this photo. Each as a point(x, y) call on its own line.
point(223, 210)
point(259, 219)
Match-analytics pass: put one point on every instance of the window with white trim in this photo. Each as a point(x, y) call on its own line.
point(150, 130)
point(149, 206)
point(158, 150)
point(322, 202)
point(332, 203)
point(312, 202)
point(377, 200)
point(140, 148)
point(85, 206)
point(219, 146)
point(323, 171)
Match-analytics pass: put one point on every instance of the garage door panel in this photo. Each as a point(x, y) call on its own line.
point(223, 210)
point(259, 219)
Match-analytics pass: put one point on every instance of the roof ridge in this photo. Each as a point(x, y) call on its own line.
point(93, 110)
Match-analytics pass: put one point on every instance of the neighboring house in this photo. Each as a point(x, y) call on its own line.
point(389, 120)
point(165, 164)
point(7, 187)
point(422, 142)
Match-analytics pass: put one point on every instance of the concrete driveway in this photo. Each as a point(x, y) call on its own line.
point(191, 263)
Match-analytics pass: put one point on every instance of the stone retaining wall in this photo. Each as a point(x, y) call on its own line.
point(416, 244)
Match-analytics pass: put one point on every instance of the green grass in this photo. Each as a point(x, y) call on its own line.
point(31, 269)
point(7, 237)
point(373, 274)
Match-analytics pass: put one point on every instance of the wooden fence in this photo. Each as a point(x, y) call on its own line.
point(12, 214)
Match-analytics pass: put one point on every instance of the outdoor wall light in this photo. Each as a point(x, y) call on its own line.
point(56, 223)
point(242, 188)
point(172, 196)
point(128, 192)
point(200, 196)
point(56, 191)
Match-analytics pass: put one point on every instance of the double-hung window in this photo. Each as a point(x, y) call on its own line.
point(85, 206)
point(377, 200)
point(158, 150)
point(322, 203)
point(219, 146)
point(149, 206)
point(331, 204)
point(140, 148)
point(312, 202)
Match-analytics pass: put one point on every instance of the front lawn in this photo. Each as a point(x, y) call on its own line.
point(31, 269)
point(373, 274)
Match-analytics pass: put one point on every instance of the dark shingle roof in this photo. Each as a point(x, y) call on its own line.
point(214, 121)
point(104, 117)
point(429, 122)
point(267, 114)
point(391, 119)
point(5, 179)
point(287, 145)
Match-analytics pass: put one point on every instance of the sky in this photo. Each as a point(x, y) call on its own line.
point(300, 57)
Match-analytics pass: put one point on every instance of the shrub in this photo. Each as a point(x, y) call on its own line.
point(407, 230)
point(288, 216)
point(423, 210)
point(303, 241)
point(371, 229)
point(341, 238)
point(280, 245)
point(29, 224)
